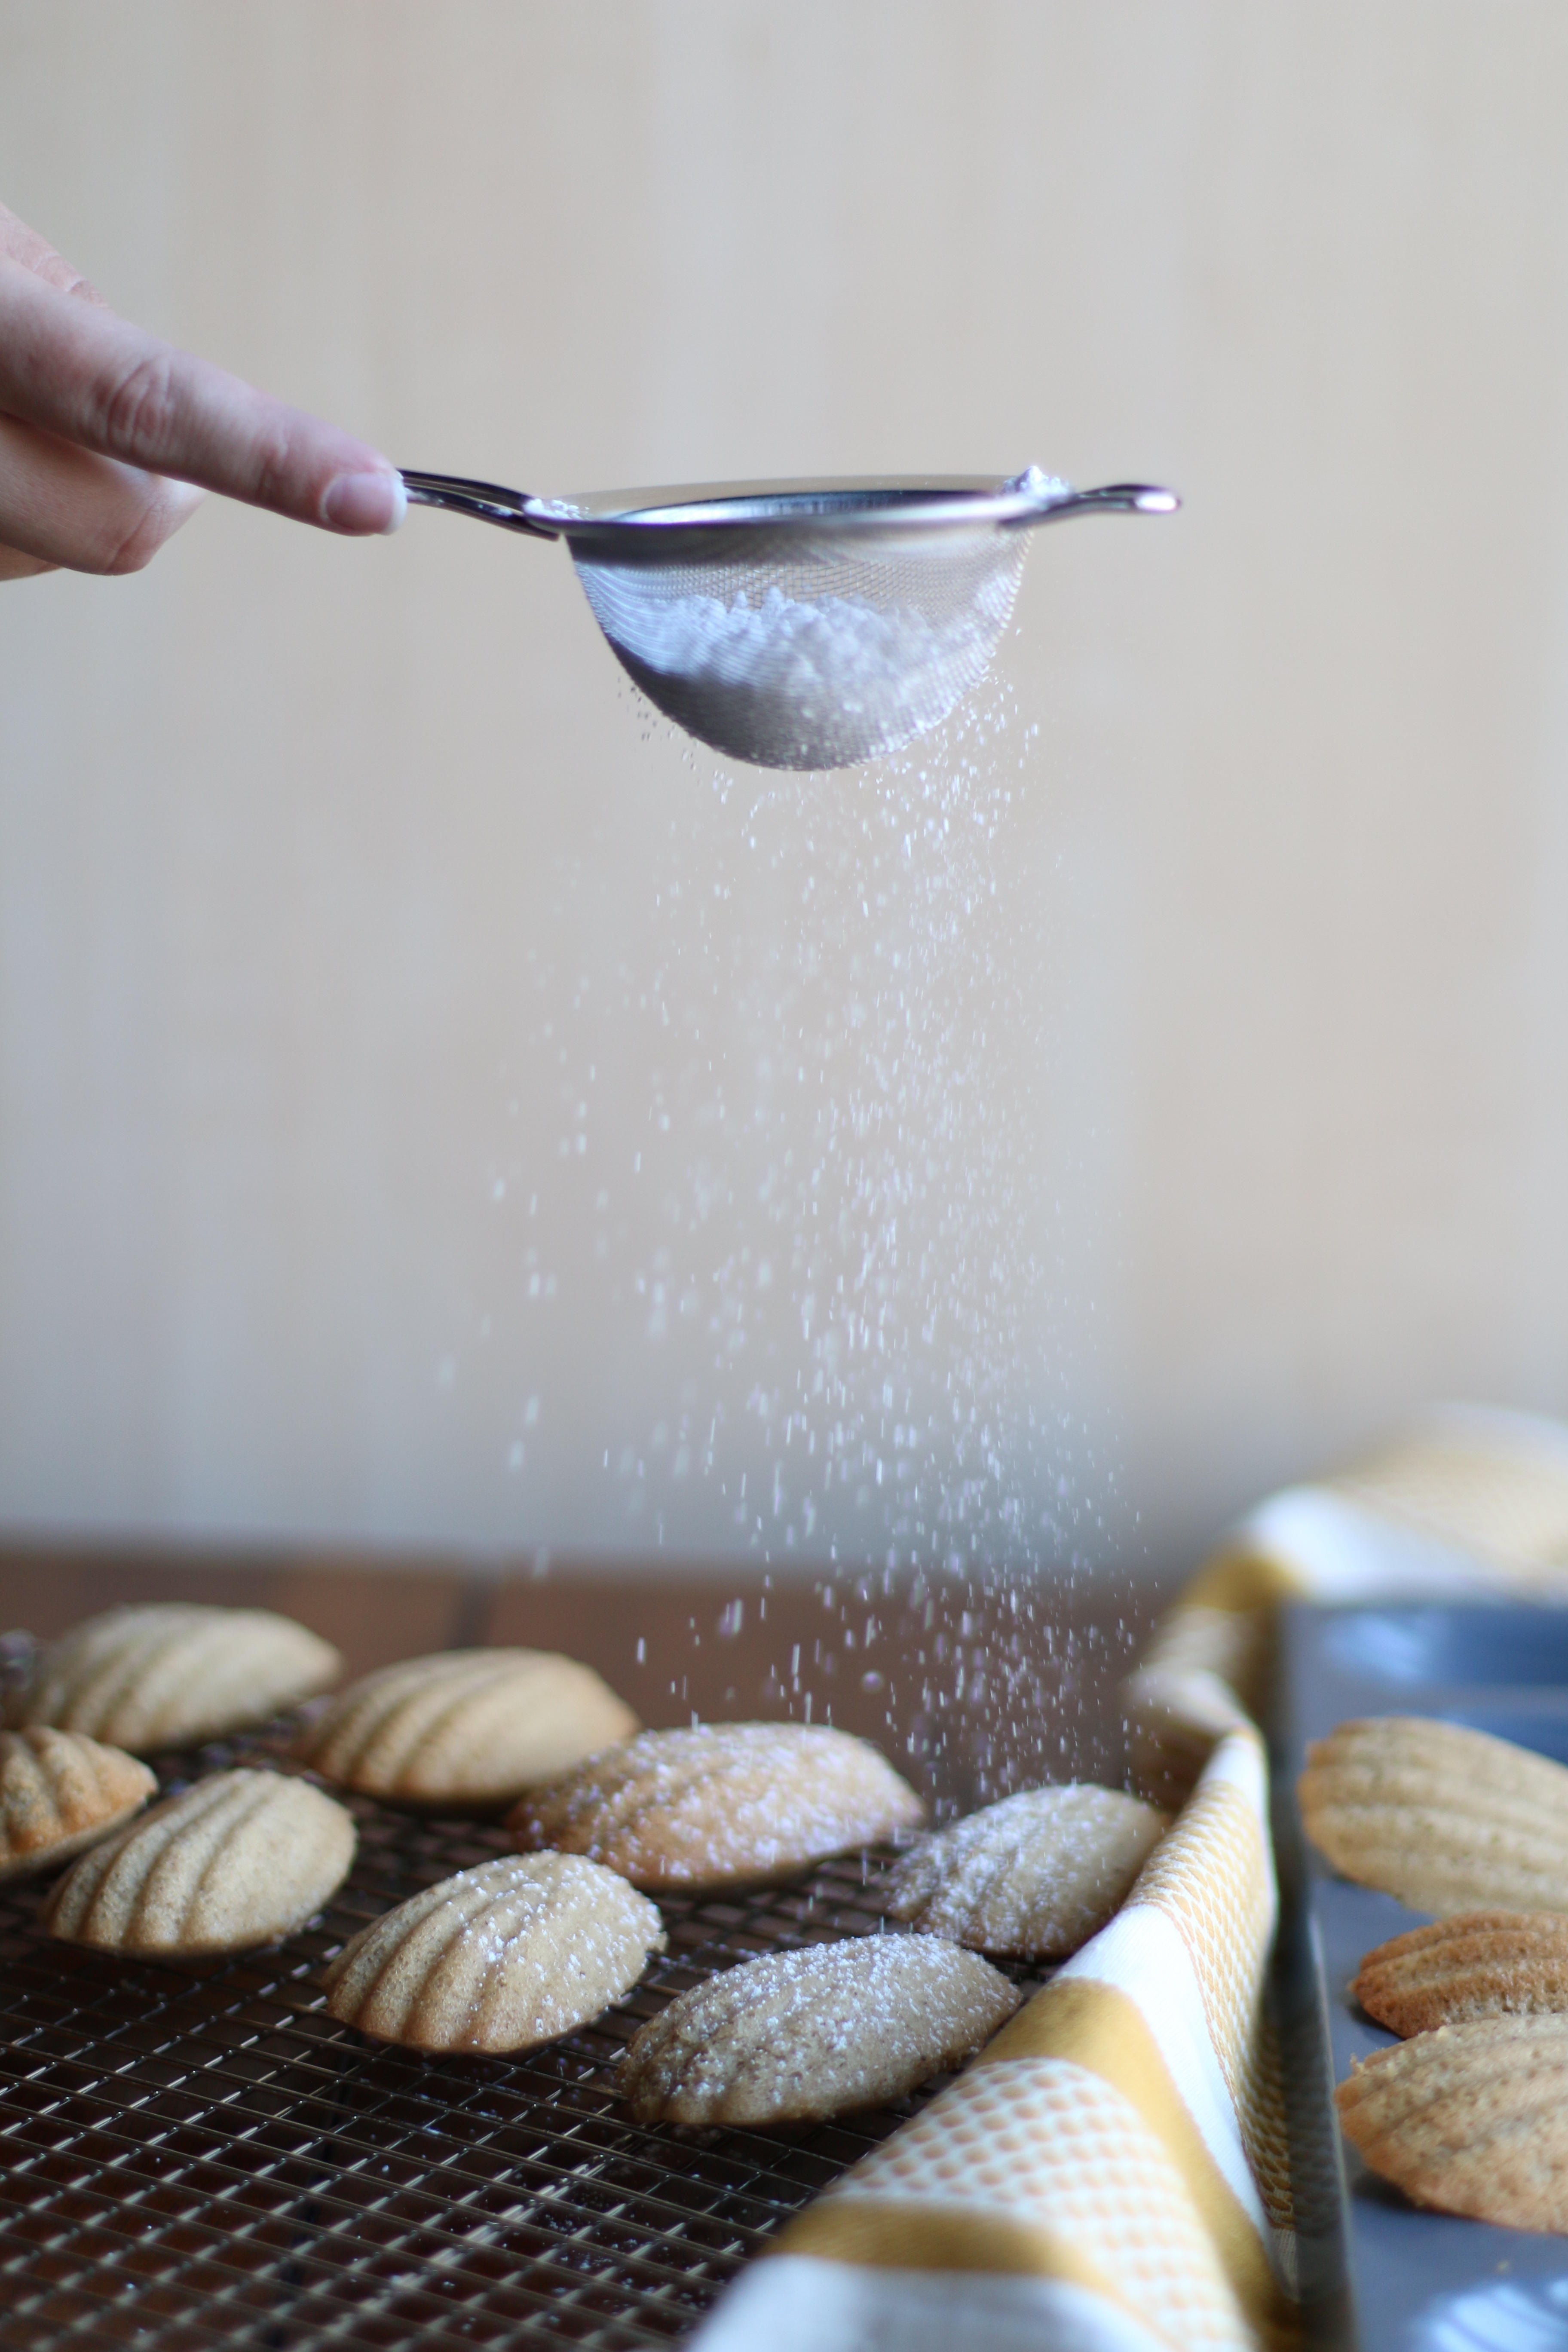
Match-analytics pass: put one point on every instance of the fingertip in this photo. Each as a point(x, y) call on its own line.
point(365, 504)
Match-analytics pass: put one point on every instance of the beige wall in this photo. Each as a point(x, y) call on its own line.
point(1221, 1073)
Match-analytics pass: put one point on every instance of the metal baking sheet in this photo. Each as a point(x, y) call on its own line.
point(1379, 2272)
point(190, 2161)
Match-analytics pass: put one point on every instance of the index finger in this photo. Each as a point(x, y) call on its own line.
point(81, 372)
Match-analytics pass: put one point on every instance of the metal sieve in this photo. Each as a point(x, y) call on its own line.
point(795, 625)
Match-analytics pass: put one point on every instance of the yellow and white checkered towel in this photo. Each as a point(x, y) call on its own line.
point(1111, 2175)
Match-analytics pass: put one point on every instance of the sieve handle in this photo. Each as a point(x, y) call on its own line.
point(486, 501)
point(1116, 498)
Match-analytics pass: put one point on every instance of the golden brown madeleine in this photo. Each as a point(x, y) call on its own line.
point(802, 2035)
point(1034, 1875)
point(514, 1953)
point(1477, 1964)
point(236, 1860)
point(61, 1792)
point(720, 1804)
point(173, 1674)
point(1446, 1818)
point(1471, 2120)
point(468, 1728)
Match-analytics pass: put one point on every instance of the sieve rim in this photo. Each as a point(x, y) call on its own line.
point(648, 522)
point(734, 522)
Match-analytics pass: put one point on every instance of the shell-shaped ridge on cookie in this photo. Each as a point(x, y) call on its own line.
point(1476, 1964)
point(1470, 2119)
point(59, 1793)
point(1033, 1875)
point(504, 1956)
point(173, 1674)
point(720, 1804)
point(236, 1860)
point(470, 1730)
point(1446, 1818)
point(799, 2036)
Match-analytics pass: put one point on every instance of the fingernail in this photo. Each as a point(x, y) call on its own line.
point(364, 502)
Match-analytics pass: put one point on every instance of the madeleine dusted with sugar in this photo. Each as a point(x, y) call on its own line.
point(468, 1728)
point(1446, 1818)
point(61, 1792)
point(1472, 2119)
point(174, 1674)
point(725, 1802)
point(514, 1953)
point(799, 2036)
point(238, 1860)
point(1035, 1876)
point(1476, 1964)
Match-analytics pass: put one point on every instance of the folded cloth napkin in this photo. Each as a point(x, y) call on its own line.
point(1465, 1504)
point(1111, 2174)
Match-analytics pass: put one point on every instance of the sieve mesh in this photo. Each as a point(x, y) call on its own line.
point(814, 658)
point(193, 2160)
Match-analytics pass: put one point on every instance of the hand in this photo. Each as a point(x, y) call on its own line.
point(108, 437)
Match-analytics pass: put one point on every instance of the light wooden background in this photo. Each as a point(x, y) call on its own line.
point(335, 879)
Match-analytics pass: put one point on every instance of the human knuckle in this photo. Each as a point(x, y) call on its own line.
point(136, 405)
point(275, 467)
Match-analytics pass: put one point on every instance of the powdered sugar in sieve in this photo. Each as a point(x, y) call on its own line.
point(790, 682)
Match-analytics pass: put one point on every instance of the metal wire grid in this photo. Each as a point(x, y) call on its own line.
point(190, 2161)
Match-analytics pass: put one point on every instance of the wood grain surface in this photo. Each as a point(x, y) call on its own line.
point(974, 1689)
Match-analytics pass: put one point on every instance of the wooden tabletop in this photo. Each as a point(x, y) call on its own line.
point(972, 1687)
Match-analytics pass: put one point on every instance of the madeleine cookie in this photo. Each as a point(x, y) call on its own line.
point(61, 1792)
point(799, 2036)
point(1472, 2119)
point(1477, 1964)
point(467, 1728)
point(236, 1861)
point(514, 1953)
point(1036, 1875)
point(174, 1674)
point(720, 1803)
point(1447, 1819)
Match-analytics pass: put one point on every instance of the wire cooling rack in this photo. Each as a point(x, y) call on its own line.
point(193, 2160)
